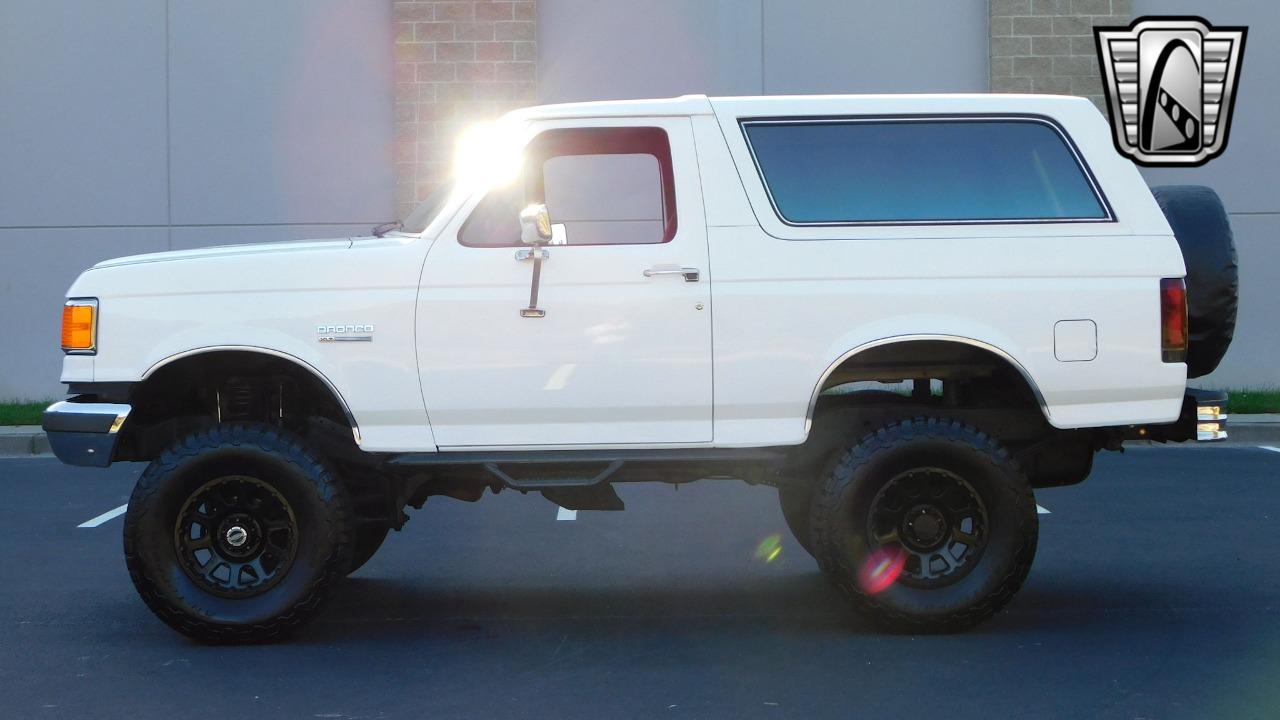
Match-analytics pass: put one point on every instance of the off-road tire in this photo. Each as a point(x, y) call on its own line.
point(844, 499)
point(841, 416)
point(278, 459)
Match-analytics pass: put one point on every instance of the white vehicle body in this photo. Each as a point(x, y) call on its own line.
point(419, 337)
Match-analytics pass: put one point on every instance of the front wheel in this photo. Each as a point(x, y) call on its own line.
point(236, 534)
point(927, 525)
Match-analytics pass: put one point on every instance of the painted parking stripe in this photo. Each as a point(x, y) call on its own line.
point(104, 517)
point(1042, 510)
point(1268, 447)
point(563, 514)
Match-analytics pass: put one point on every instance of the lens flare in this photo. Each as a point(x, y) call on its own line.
point(488, 155)
point(769, 549)
point(881, 569)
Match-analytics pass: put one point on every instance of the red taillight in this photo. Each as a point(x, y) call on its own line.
point(1173, 320)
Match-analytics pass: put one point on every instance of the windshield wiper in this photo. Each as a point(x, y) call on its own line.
point(385, 228)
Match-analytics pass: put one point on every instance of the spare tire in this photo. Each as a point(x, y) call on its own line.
point(1199, 222)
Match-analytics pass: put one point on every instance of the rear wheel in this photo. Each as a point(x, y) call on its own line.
point(236, 534)
point(927, 525)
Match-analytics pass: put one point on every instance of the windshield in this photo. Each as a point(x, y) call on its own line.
point(427, 210)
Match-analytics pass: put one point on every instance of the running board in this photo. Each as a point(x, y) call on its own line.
point(545, 469)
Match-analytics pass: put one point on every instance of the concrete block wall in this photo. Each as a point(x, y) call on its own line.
point(1046, 46)
point(456, 63)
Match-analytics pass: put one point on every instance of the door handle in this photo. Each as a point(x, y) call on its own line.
point(690, 274)
point(533, 253)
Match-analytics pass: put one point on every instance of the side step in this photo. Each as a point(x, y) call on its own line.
point(591, 497)
point(542, 470)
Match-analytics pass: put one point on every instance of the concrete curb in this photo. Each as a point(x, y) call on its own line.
point(20, 440)
point(30, 440)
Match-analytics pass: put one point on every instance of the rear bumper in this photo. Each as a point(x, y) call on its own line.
point(84, 433)
point(1211, 415)
point(1203, 419)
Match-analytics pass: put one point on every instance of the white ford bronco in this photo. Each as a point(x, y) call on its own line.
point(905, 313)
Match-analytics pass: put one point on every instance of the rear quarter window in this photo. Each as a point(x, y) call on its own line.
point(918, 170)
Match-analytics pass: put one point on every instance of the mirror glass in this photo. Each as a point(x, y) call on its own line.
point(535, 224)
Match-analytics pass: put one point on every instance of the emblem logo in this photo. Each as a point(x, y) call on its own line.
point(1170, 84)
point(344, 333)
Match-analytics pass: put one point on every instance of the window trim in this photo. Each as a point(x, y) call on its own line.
point(666, 176)
point(1108, 217)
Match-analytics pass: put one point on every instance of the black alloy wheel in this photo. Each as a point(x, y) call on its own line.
point(936, 518)
point(236, 536)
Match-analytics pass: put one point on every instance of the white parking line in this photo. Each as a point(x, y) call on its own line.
point(1042, 510)
point(1268, 447)
point(562, 514)
point(104, 517)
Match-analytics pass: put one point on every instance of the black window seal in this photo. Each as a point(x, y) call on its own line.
point(1099, 195)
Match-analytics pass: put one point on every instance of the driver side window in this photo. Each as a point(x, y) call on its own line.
point(601, 186)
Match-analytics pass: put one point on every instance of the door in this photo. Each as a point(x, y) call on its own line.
point(621, 353)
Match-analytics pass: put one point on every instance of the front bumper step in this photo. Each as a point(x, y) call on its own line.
point(84, 433)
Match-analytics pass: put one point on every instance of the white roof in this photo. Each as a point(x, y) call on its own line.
point(808, 105)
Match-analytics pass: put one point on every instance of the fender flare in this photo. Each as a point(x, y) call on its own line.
point(895, 339)
point(303, 364)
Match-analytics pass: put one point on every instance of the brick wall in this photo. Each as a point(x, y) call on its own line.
point(1046, 46)
point(456, 63)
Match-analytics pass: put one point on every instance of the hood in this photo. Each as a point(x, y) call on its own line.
point(228, 251)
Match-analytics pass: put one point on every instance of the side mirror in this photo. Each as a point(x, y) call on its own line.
point(535, 225)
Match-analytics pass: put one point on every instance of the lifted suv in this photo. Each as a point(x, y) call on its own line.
point(903, 312)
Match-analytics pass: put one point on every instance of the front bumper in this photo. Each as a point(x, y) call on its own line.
point(84, 433)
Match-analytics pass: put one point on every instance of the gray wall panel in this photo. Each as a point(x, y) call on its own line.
point(281, 112)
point(837, 46)
point(1254, 357)
point(82, 122)
point(32, 292)
point(278, 117)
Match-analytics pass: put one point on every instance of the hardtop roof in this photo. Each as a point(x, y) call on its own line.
point(806, 105)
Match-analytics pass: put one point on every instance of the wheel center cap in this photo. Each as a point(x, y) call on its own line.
point(925, 527)
point(237, 536)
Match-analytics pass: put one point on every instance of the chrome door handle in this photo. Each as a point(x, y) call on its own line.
point(690, 274)
point(530, 253)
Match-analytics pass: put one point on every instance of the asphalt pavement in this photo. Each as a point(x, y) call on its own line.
point(1154, 595)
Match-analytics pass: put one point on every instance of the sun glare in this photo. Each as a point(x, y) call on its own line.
point(488, 155)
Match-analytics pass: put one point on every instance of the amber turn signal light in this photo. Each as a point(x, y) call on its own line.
point(80, 327)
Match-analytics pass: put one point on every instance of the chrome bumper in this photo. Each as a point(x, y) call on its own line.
point(84, 433)
point(1211, 416)
point(1203, 419)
